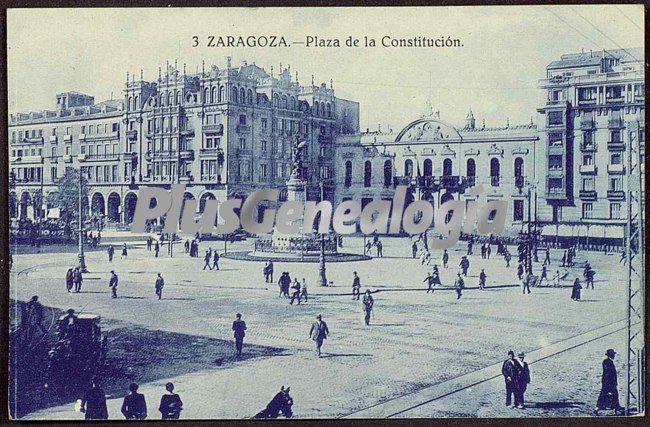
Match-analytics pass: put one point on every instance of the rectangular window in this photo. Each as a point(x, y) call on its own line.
point(83, 129)
point(615, 210)
point(263, 143)
point(555, 139)
point(263, 171)
point(588, 184)
point(555, 118)
point(53, 172)
point(616, 136)
point(242, 119)
point(91, 129)
point(67, 150)
point(615, 159)
point(587, 160)
point(53, 152)
point(82, 149)
point(116, 127)
point(53, 131)
point(264, 123)
point(242, 143)
point(587, 210)
point(615, 184)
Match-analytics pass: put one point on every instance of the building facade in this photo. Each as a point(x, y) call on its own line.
point(594, 113)
point(223, 132)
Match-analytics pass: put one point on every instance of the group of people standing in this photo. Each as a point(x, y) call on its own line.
point(285, 283)
point(516, 374)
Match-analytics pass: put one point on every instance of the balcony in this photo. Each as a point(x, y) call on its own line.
point(53, 139)
point(243, 129)
point(615, 145)
point(616, 195)
point(131, 134)
point(588, 169)
point(244, 152)
point(555, 172)
point(67, 138)
point(187, 154)
point(588, 146)
point(187, 132)
point(591, 101)
point(615, 99)
point(213, 129)
point(98, 157)
point(101, 136)
point(401, 180)
point(555, 124)
point(33, 140)
point(616, 123)
point(556, 193)
point(588, 194)
point(556, 149)
point(616, 168)
point(587, 124)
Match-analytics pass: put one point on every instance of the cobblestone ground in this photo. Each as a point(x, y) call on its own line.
point(415, 340)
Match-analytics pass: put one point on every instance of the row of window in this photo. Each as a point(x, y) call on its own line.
point(106, 173)
point(615, 211)
point(615, 183)
point(17, 136)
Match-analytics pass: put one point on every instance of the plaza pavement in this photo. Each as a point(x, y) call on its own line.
point(416, 340)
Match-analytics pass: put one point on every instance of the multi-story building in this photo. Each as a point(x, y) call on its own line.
point(594, 113)
point(222, 131)
point(439, 162)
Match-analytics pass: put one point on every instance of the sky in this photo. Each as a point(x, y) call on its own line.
point(495, 73)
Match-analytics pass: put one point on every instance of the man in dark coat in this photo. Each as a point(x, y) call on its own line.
point(125, 253)
point(608, 397)
point(160, 284)
point(134, 406)
point(111, 252)
point(239, 326)
point(187, 246)
point(112, 283)
point(77, 279)
point(356, 287)
point(171, 404)
point(215, 260)
point(459, 284)
point(207, 258)
point(368, 304)
point(522, 380)
point(296, 291)
point(414, 248)
point(481, 279)
point(575, 291)
point(156, 249)
point(510, 372)
point(93, 404)
point(319, 332)
point(445, 258)
point(464, 265)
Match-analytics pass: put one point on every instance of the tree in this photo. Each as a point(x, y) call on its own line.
point(68, 194)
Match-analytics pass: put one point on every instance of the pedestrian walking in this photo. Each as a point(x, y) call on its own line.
point(556, 279)
point(470, 246)
point(239, 328)
point(510, 372)
point(507, 257)
point(78, 279)
point(215, 260)
point(93, 403)
point(112, 283)
point(459, 284)
point(481, 279)
point(368, 304)
point(356, 287)
point(285, 283)
point(187, 246)
point(156, 249)
point(134, 406)
point(589, 275)
point(527, 281)
point(483, 250)
point(522, 380)
point(488, 251)
point(575, 291)
point(160, 284)
point(319, 332)
point(171, 404)
point(520, 271)
point(445, 258)
point(366, 250)
point(207, 259)
point(111, 252)
point(564, 259)
point(124, 251)
point(303, 289)
point(69, 279)
point(149, 243)
point(608, 397)
point(296, 291)
point(547, 256)
point(34, 311)
point(380, 249)
point(414, 249)
point(544, 275)
point(464, 265)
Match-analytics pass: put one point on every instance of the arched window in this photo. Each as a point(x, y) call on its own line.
point(242, 95)
point(329, 110)
point(250, 96)
point(178, 97)
point(367, 173)
point(388, 173)
point(408, 167)
point(495, 172)
point(293, 103)
point(222, 94)
point(321, 109)
point(348, 174)
point(136, 102)
point(129, 103)
point(284, 101)
point(471, 171)
point(315, 108)
point(428, 167)
point(447, 167)
point(519, 172)
point(213, 94)
point(233, 96)
point(170, 98)
point(206, 93)
point(276, 100)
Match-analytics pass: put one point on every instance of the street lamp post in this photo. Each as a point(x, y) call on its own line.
point(82, 258)
point(322, 269)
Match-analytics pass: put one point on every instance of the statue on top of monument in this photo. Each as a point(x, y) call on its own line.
point(296, 157)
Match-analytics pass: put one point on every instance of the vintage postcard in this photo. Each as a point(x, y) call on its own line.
point(319, 213)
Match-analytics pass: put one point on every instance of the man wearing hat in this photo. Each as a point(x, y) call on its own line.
point(319, 332)
point(368, 303)
point(522, 380)
point(608, 397)
point(239, 326)
point(112, 283)
point(510, 372)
